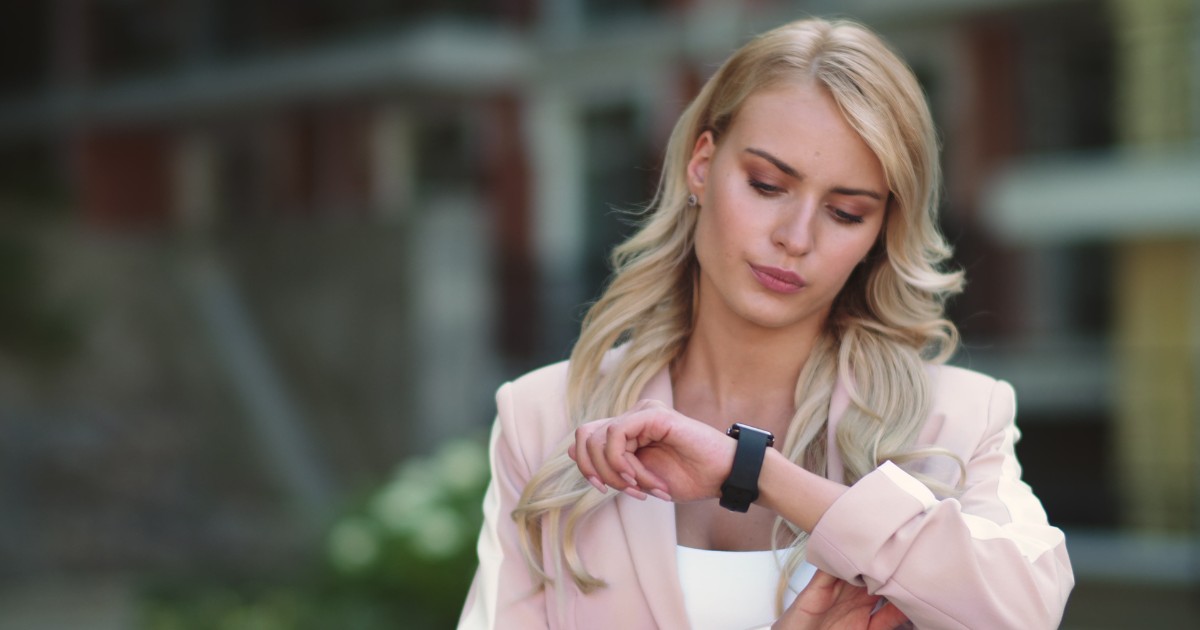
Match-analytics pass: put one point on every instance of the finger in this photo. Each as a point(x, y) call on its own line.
point(795, 619)
point(618, 453)
point(647, 480)
point(887, 618)
point(818, 595)
point(636, 493)
point(583, 459)
point(616, 446)
point(581, 456)
point(821, 580)
point(648, 426)
point(633, 431)
point(848, 594)
point(596, 445)
point(809, 607)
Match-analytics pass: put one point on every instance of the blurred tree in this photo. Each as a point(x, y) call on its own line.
point(32, 330)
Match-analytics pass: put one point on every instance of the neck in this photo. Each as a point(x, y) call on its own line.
point(735, 371)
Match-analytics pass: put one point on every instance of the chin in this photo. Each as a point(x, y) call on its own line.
point(772, 321)
point(763, 316)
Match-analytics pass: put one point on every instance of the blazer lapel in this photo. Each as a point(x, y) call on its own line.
point(650, 531)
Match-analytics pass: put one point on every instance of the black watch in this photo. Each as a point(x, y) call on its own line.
point(741, 488)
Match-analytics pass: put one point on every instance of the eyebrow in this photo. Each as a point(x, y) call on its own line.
point(788, 170)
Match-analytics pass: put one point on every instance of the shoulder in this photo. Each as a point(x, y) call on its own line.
point(545, 388)
point(533, 410)
point(954, 383)
point(969, 402)
point(532, 413)
point(548, 381)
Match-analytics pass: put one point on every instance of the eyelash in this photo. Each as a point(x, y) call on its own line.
point(767, 190)
point(845, 217)
point(764, 188)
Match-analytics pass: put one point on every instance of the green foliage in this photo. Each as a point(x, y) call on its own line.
point(413, 543)
point(30, 330)
point(403, 557)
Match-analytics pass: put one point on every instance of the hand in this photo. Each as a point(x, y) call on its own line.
point(653, 448)
point(829, 603)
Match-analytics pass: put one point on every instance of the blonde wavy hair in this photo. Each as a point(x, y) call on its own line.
point(886, 323)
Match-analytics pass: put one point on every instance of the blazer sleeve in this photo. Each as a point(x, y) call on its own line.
point(503, 595)
point(986, 559)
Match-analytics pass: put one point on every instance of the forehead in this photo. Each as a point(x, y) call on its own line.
point(802, 125)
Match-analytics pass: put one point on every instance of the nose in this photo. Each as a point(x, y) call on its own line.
point(795, 230)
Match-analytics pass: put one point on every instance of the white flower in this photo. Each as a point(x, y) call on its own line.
point(462, 465)
point(438, 534)
point(418, 470)
point(399, 505)
point(353, 544)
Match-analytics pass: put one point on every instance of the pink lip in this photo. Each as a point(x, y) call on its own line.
point(778, 280)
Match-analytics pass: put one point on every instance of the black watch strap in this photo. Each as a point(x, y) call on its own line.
point(741, 488)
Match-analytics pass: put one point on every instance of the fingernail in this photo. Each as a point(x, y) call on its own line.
point(661, 495)
point(595, 481)
point(635, 493)
point(628, 479)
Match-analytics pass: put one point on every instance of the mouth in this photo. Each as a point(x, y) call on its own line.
point(778, 280)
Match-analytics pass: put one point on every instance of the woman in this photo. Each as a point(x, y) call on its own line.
point(787, 278)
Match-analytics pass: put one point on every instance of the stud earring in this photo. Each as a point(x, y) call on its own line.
point(692, 202)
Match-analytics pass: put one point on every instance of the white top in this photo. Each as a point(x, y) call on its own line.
point(732, 590)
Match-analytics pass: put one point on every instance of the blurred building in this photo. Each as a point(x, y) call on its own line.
point(312, 237)
point(1133, 202)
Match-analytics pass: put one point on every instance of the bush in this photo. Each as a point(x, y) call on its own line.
point(403, 557)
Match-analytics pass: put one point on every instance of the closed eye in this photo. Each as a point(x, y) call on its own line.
point(845, 217)
point(765, 189)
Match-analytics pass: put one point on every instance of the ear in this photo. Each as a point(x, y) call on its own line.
point(697, 168)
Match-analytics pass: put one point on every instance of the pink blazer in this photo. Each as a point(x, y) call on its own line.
point(986, 560)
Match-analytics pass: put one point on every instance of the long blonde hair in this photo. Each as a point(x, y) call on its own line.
point(885, 324)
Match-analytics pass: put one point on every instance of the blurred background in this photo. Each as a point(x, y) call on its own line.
point(263, 265)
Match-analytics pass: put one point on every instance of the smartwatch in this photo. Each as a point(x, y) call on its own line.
point(741, 488)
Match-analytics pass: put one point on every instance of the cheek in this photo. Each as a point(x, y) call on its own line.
point(857, 248)
point(738, 217)
point(861, 240)
point(714, 245)
point(717, 226)
point(848, 247)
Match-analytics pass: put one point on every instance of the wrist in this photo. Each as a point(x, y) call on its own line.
point(791, 491)
point(741, 486)
point(773, 469)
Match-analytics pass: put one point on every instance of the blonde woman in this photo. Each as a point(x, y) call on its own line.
point(789, 279)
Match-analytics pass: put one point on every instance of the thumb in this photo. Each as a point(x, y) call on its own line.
point(887, 618)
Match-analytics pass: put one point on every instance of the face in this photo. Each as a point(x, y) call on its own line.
point(792, 200)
